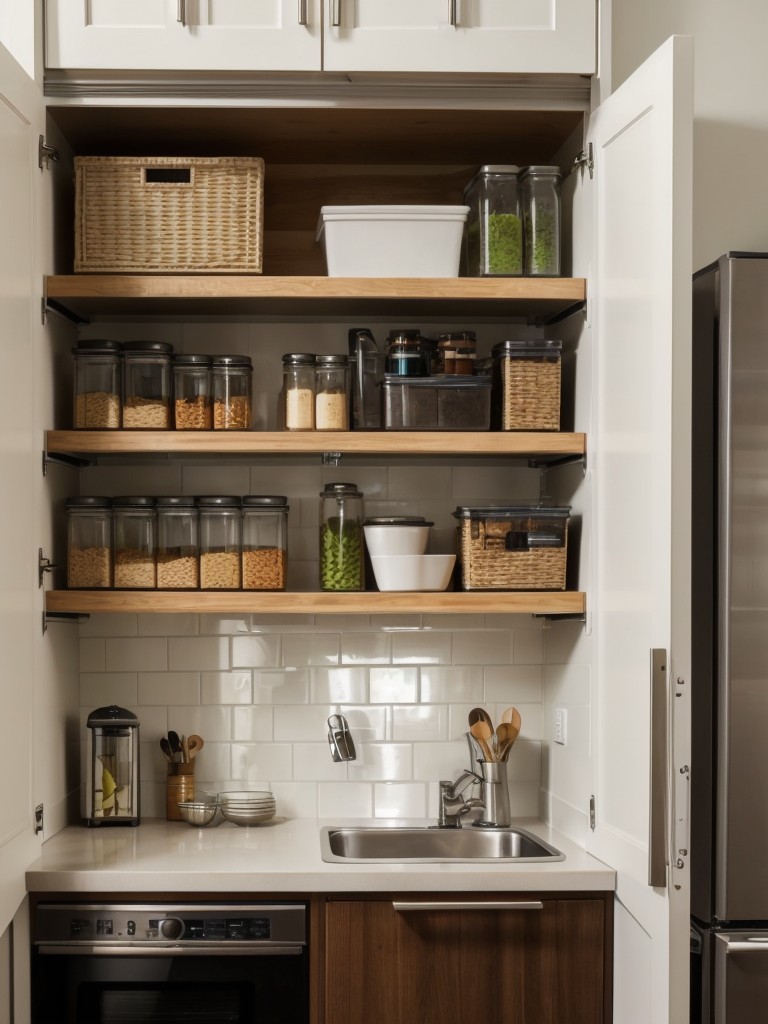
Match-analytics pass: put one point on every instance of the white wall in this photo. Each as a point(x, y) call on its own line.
point(731, 113)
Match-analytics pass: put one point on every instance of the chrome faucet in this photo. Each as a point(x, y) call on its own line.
point(452, 805)
point(494, 798)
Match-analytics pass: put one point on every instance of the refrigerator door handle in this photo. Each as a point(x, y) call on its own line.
point(657, 823)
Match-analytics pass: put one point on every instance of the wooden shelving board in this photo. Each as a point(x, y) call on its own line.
point(88, 296)
point(546, 445)
point(85, 602)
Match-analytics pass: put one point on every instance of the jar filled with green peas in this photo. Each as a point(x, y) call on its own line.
point(493, 234)
point(341, 538)
point(541, 220)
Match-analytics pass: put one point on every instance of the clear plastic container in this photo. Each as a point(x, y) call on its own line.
point(493, 235)
point(192, 392)
point(541, 220)
point(457, 352)
point(298, 397)
point(147, 385)
point(134, 530)
point(525, 391)
point(89, 543)
point(232, 382)
point(97, 401)
point(332, 392)
point(177, 555)
point(265, 535)
point(436, 403)
point(220, 542)
point(342, 566)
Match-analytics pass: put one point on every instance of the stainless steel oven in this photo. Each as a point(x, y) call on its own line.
point(164, 963)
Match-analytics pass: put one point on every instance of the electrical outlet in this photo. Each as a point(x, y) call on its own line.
point(561, 726)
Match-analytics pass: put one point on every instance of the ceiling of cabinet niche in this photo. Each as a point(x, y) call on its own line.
point(321, 136)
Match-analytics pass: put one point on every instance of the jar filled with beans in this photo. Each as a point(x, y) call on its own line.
point(220, 542)
point(134, 530)
point(177, 543)
point(89, 543)
point(265, 529)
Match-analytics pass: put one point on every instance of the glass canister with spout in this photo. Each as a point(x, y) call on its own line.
point(342, 566)
point(541, 220)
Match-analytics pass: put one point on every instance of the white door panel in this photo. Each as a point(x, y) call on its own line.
point(641, 496)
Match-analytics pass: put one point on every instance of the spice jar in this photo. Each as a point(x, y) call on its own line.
point(341, 538)
point(493, 235)
point(147, 385)
point(232, 382)
point(220, 532)
point(408, 354)
point(298, 391)
point(89, 543)
point(457, 352)
point(331, 393)
point(525, 385)
point(541, 220)
point(192, 403)
point(134, 530)
point(265, 529)
point(177, 543)
point(97, 385)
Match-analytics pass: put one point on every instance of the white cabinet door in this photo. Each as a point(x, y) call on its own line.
point(640, 462)
point(547, 36)
point(179, 35)
point(21, 120)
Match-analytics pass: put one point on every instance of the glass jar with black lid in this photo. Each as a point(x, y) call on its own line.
point(220, 542)
point(192, 400)
point(232, 380)
point(331, 392)
point(97, 391)
point(265, 534)
point(147, 385)
point(298, 396)
point(134, 544)
point(89, 543)
point(177, 543)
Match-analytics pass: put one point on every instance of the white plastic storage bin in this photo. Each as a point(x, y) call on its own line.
point(392, 241)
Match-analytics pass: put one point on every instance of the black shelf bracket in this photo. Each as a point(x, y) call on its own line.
point(54, 617)
point(62, 459)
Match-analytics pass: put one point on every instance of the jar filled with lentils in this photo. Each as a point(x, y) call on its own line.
point(232, 379)
point(134, 544)
point(89, 543)
point(177, 543)
point(192, 402)
point(220, 542)
point(265, 530)
point(147, 385)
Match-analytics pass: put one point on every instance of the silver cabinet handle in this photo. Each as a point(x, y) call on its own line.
point(336, 13)
point(402, 908)
point(181, 12)
point(657, 824)
point(453, 15)
point(756, 946)
point(222, 949)
point(302, 12)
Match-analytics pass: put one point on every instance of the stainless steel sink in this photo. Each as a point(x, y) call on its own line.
point(364, 844)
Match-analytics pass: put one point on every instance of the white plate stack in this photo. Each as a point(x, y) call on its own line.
point(250, 807)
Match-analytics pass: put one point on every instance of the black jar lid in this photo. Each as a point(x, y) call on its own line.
point(265, 501)
point(223, 501)
point(192, 360)
point(548, 169)
point(175, 501)
point(458, 336)
point(539, 346)
point(137, 501)
point(87, 501)
point(97, 347)
point(332, 360)
point(232, 361)
point(397, 521)
point(341, 490)
point(155, 348)
point(299, 359)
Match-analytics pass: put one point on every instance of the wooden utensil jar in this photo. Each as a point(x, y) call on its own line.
point(180, 785)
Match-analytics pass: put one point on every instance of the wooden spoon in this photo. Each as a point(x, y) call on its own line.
point(165, 746)
point(480, 715)
point(175, 743)
point(506, 734)
point(194, 745)
point(483, 733)
point(509, 713)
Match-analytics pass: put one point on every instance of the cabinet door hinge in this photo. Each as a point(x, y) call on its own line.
point(592, 812)
point(586, 158)
point(45, 153)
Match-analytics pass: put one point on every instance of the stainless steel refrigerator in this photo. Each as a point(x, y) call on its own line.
point(729, 684)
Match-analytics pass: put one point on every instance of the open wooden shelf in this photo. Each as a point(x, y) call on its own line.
point(88, 296)
point(85, 602)
point(546, 445)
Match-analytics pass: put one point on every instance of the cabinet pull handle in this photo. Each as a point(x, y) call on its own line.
point(453, 14)
point(657, 824)
point(336, 14)
point(181, 12)
point(402, 908)
point(303, 12)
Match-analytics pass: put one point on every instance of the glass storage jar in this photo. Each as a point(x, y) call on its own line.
point(134, 545)
point(265, 532)
point(147, 385)
point(408, 354)
point(541, 220)
point(97, 385)
point(89, 543)
point(232, 382)
point(342, 565)
point(177, 543)
point(298, 398)
point(493, 234)
point(331, 392)
point(192, 402)
point(457, 352)
point(220, 534)
point(525, 385)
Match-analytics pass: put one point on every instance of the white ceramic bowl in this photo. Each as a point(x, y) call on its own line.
point(396, 540)
point(412, 572)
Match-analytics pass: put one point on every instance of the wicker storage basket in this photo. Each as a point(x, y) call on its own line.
point(526, 385)
point(162, 214)
point(512, 547)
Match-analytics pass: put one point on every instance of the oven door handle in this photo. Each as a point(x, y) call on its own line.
point(246, 949)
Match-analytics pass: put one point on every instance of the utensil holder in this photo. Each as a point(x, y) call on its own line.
point(180, 785)
point(495, 795)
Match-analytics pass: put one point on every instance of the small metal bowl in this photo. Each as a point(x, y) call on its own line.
point(200, 812)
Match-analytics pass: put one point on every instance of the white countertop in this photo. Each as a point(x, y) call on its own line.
point(163, 856)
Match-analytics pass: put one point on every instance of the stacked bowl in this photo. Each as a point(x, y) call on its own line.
point(248, 807)
point(397, 548)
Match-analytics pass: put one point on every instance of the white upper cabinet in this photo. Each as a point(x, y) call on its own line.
point(530, 36)
point(184, 35)
point(552, 36)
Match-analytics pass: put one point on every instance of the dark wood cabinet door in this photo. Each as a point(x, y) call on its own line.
point(536, 964)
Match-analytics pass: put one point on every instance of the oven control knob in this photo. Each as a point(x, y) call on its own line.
point(171, 928)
